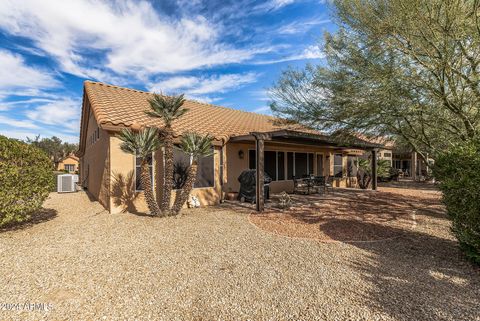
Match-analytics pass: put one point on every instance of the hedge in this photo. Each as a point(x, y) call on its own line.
point(25, 180)
point(458, 171)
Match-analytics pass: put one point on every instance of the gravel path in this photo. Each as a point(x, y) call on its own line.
point(213, 264)
point(354, 215)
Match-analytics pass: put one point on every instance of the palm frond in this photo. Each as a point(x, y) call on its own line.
point(141, 143)
point(129, 141)
point(168, 108)
point(196, 145)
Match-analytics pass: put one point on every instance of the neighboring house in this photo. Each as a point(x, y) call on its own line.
point(112, 176)
point(68, 163)
point(405, 160)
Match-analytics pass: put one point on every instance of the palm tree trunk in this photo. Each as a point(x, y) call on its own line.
point(187, 188)
point(147, 189)
point(168, 170)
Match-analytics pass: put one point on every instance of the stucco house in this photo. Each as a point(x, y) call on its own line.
point(68, 163)
point(112, 176)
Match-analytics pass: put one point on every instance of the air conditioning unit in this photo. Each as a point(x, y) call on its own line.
point(66, 183)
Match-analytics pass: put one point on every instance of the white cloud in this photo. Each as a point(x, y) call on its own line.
point(21, 134)
point(311, 52)
point(133, 37)
point(195, 86)
point(301, 26)
point(17, 123)
point(273, 5)
point(63, 113)
point(263, 110)
point(17, 75)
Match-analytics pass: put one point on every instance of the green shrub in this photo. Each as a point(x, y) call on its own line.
point(458, 171)
point(25, 180)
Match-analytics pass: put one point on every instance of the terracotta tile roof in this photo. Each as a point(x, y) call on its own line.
point(381, 140)
point(122, 107)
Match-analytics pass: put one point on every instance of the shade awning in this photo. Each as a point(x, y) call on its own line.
point(306, 138)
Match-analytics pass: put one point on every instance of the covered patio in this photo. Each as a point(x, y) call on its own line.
point(350, 215)
point(263, 140)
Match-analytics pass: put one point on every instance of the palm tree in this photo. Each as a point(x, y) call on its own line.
point(364, 171)
point(169, 109)
point(195, 146)
point(142, 144)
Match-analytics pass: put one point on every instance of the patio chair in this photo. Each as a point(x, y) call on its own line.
point(325, 183)
point(301, 186)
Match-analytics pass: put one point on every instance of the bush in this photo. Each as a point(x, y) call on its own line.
point(25, 180)
point(458, 171)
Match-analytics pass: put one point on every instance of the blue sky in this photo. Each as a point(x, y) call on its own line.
point(222, 52)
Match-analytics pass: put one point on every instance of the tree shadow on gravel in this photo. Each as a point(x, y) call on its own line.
point(41, 216)
point(416, 276)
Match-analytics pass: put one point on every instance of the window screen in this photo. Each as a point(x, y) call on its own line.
point(351, 166)
point(205, 170)
point(281, 165)
point(310, 164)
point(289, 165)
point(270, 164)
point(338, 165)
point(319, 165)
point(252, 159)
point(301, 168)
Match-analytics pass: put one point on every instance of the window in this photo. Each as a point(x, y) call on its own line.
point(299, 164)
point(270, 164)
point(138, 171)
point(338, 165)
point(273, 163)
point(351, 166)
point(281, 165)
point(319, 164)
point(310, 164)
point(387, 154)
point(290, 165)
point(205, 170)
point(252, 159)
point(70, 167)
point(221, 166)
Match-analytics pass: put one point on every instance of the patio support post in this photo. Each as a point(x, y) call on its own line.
point(374, 169)
point(259, 148)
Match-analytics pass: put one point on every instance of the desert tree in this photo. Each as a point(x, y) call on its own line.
point(403, 68)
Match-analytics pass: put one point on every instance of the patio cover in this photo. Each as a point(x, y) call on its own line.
point(303, 138)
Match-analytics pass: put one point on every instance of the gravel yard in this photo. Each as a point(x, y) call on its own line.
point(214, 264)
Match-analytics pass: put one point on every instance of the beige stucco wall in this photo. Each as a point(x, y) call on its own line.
point(235, 165)
point(385, 154)
point(123, 194)
point(94, 164)
point(67, 161)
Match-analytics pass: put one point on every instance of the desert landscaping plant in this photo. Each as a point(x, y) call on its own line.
point(142, 144)
point(25, 180)
point(459, 176)
point(168, 109)
point(364, 171)
point(195, 146)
